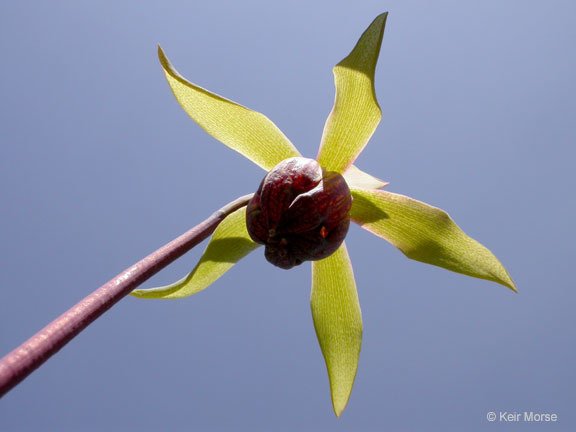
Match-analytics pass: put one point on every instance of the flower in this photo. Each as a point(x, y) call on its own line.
point(420, 231)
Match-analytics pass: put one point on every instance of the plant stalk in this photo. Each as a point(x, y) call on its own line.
point(21, 362)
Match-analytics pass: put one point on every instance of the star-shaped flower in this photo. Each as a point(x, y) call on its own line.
point(422, 232)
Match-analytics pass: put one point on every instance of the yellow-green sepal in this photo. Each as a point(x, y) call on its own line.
point(248, 132)
point(228, 245)
point(356, 112)
point(357, 178)
point(425, 233)
point(338, 322)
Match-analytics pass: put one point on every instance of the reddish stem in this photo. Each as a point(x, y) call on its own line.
point(21, 362)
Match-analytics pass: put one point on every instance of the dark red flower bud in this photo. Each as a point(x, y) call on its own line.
point(300, 213)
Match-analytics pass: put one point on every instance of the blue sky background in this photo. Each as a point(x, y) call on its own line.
point(99, 166)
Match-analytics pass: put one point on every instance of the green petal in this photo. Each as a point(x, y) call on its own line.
point(356, 178)
point(425, 233)
point(338, 322)
point(356, 113)
point(228, 245)
point(248, 132)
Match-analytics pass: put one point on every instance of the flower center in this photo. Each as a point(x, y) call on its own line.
point(300, 212)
